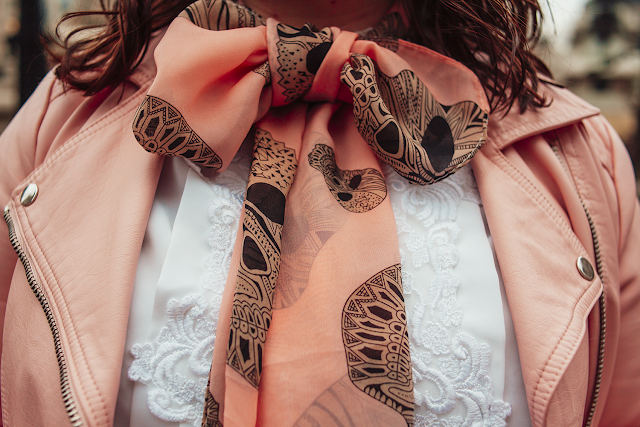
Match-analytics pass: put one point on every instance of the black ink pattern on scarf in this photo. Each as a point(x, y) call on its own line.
point(376, 341)
point(272, 173)
point(356, 190)
point(221, 15)
point(160, 128)
point(211, 414)
point(423, 140)
point(300, 53)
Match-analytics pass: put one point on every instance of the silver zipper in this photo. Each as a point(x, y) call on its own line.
point(603, 309)
point(603, 321)
point(65, 385)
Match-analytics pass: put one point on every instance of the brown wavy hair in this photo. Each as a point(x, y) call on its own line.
point(494, 38)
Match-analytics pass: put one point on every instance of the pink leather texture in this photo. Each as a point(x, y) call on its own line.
point(82, 237)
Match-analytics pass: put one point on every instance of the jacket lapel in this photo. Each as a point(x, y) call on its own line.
point(548, 299)
point(565, 109)
point(105, 184)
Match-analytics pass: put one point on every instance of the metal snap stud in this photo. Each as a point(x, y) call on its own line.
point(29, 194)
point(585, 268)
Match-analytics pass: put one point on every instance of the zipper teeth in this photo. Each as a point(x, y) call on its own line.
point(602, 300)
point(603, 319)
point(65, 385)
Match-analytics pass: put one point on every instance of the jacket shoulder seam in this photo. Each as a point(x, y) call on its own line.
point(32, 245)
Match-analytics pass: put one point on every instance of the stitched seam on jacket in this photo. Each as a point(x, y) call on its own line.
point(519, 178)
point(3, 395)
point(110, 117)
point(584, 193)
point(570, 350)
point(605, 150)
point(605, 265)
point(612, 176)
point(106, 120)
point(528, 187)
point(503, 139)
point(574, 168)
point(60, 299)
point(576, 244)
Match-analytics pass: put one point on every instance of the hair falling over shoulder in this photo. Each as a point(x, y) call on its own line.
point(494, 38)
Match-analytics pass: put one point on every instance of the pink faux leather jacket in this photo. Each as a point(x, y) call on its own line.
point(556, 185)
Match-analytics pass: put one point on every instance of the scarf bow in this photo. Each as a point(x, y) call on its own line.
point(312, 328)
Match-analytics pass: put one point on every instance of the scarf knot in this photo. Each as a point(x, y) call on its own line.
point(312, 323)
point(299, 55)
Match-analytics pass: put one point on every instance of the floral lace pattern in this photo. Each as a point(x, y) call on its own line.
point(450, 368)
point(175, 367)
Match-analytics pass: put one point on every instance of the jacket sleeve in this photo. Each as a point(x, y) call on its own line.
point(623, 400)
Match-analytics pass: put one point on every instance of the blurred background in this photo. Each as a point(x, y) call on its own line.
point(591, 46)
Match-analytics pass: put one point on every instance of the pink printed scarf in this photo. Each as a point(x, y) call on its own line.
point(312, 328)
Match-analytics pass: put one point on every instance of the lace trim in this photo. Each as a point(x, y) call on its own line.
point(450, 368)
point(449, 364)
point(175, 367)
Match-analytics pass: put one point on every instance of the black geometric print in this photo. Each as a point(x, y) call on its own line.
point(272, 172)
point(221, 15)
point(300, 53)
point(265, 71)
point(357, 190)
point(211, 413)
point(423, 140)
point(309, 224)
point(376, 341)
point(160, 128)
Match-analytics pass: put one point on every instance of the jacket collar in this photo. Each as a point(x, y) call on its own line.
point(565, 109)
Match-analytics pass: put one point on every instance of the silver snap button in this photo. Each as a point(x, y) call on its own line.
point(29, 194)
point(585, 268)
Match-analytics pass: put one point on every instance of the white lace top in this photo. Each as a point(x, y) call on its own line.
point(465, 361)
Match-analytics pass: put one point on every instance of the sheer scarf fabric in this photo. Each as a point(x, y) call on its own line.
point(313, 307)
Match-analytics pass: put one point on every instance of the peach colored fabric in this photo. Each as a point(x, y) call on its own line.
point(62, 142)
point(342, 330)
